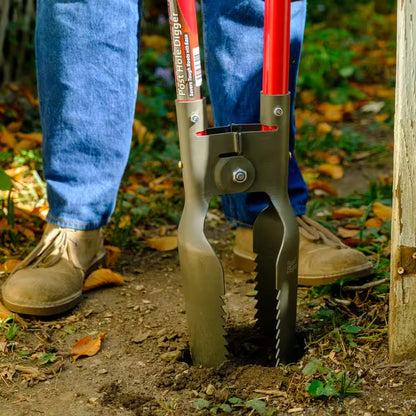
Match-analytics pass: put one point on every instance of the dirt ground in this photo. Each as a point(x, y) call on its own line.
point(144, 366)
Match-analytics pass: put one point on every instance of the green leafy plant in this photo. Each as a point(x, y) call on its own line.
point(46, 358)
point(255, 405)
point(5, 181)
point(327, 382)
point(9, 328)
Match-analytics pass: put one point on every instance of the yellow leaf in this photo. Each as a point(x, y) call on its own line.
point(113, 254)
point(333, 157)
point(139, 130)
point(14, 126)
point(334, 171)
point(9, 265)
point(35, 137)
point(87, 346)
point(7, 138)
point(323, 186)
point(346, 233)
point(163, 243)
point(4, 312)
point(307, 97)
point(382, 117)
point(331, 112)
point(125, 221)
point(381, 211)
point(41, 212)
point(323, 128)
point(347, 213)
point(309, 175)
point(102, 277)
point(156, 42)
point(375, 222)
point(17, 173)
point(25, 145)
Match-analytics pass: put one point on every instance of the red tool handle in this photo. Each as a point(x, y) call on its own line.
point(185, 49)
point(276, 47)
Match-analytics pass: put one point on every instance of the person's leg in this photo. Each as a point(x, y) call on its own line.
point(233, 33)
point(87, 80)
point(87, 65)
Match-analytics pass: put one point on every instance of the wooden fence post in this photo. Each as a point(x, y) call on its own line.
point(402, 319)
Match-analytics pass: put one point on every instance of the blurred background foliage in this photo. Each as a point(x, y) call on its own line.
point(348, 63)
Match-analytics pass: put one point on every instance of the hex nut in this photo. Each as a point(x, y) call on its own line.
point(239, 175)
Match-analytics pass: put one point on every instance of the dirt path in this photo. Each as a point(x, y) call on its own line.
point(143, 367)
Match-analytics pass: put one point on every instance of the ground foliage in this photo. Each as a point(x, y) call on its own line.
point(344, 114)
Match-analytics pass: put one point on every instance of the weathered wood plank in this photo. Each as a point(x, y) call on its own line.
point(402, 322)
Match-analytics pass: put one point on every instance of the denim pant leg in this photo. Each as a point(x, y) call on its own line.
point(233, 35)
point(87, 81)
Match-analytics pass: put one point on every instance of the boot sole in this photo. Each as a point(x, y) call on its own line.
point(56, 308)
point(246, 262)
point(44, 310)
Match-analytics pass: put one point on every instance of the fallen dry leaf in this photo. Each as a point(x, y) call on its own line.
point(113, 254)
point(166, 243)
point(382, 211)
point(386, 179)
point(323, 186)
point(31, 373)
point(87, 346)
point(25, 145)
point(35, 137)
point(334, 171)
point(309, 175)
point(347, 213)
point(375, 222)
point(14, 126)
point(331, 157)
point(323, 128)
point(4, 312)
point(102, 277)
point(354, 242)
point(17, 173)
point(7, 138)
point(331, 112)
point(7, 371)
point(9, 265)
point(156, 42)
point(346, 233)
point(125, 221)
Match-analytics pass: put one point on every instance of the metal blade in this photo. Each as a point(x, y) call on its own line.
point(276, 288)
point(204, 289)
point(266, 241)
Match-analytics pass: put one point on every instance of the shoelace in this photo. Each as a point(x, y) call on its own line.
point(314, 231)
point(53, 242)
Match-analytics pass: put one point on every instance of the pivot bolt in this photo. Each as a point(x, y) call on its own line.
point(239, 175)
point(278, 111)
point(194, 117)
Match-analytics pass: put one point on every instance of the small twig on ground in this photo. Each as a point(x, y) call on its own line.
point(365, 286)
point(343, 301)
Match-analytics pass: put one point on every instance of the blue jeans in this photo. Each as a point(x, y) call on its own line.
point(87, 82)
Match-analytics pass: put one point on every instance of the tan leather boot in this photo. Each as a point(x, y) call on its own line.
point(50, 280)
point(323, 258)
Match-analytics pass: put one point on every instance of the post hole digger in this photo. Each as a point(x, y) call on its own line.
point(233, 159)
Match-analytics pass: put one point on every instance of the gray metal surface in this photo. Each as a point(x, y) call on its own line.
point(237, 158)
